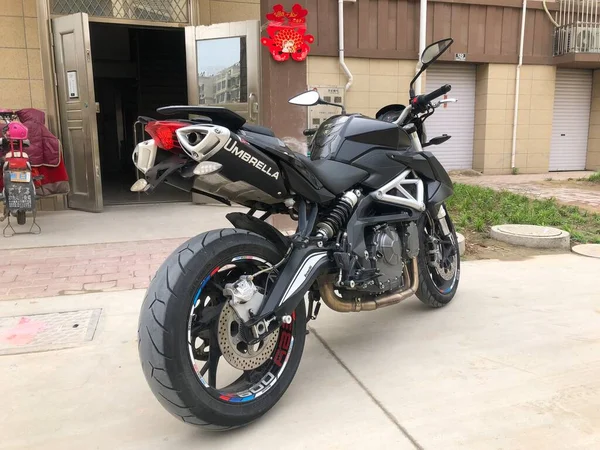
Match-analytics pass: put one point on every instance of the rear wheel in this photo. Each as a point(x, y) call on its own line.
point(189, 336)
point(21, 217)
point(438, 261)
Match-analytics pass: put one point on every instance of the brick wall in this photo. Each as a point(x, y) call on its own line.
point(21, 84)
point(218, 11)
point(593, 156)
point(494, 112)
point(377, 82)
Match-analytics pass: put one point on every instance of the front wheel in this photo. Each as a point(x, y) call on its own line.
point(189, 344)
point(438, 261)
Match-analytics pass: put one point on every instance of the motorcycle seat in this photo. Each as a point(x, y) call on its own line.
point(258, 129)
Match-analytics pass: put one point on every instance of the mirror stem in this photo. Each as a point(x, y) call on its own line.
point(422, 40)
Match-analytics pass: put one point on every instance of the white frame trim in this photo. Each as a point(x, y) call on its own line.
point(382, 194)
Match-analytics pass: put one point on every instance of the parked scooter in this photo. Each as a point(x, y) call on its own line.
point(19, 183)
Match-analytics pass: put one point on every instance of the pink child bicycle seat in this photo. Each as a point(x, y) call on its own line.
point(17, 131)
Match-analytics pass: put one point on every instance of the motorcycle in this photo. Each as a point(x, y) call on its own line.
point(223, 324)
point(18, 193)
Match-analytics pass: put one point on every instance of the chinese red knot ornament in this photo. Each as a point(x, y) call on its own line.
point(287, 34)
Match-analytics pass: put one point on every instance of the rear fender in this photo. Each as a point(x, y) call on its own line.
point(262, 228)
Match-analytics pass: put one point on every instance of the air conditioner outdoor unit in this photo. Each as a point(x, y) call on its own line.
point(587, 39)
point(580, 38)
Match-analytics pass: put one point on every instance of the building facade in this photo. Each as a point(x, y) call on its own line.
point(144, 55)
point(558, 87)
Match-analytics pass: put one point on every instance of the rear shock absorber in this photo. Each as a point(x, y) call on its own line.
point(339, 215)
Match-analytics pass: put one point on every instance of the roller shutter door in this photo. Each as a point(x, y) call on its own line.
point(455, 119)
point(571, 122)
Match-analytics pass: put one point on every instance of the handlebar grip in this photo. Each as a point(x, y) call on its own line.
point(309, 131)
point(437, 93)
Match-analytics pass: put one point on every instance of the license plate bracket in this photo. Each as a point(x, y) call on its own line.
point(18, 196)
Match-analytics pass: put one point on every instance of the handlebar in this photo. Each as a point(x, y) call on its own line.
point(309, 131)
point(421, 101)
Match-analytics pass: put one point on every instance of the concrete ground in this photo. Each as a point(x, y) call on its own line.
point(512, 363)
point(133, 223)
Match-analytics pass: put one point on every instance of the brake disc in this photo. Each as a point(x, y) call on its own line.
point(235, 351)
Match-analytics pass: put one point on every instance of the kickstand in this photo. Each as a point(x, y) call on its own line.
point(314, 305)
point(8, 225)
point(35, 224)
point(34, 229)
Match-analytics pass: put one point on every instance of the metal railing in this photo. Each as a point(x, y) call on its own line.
point(579, 30)
point(166, 11)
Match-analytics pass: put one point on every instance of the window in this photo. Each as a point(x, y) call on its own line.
point(222, 63)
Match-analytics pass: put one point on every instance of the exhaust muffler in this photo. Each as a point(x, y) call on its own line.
point(369, 303)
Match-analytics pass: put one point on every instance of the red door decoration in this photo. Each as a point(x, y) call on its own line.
point(287, 34)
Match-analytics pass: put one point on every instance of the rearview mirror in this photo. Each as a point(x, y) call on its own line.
point(429, 55)
point(308, 98)
point(435, 50)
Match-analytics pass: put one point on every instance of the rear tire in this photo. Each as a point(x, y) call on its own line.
point(434, 290)
point(21, 217)
point(168, 353)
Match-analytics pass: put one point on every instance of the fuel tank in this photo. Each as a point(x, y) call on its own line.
point(347, 138)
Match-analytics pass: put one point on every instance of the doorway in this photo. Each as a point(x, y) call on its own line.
point(136, 70)
point(109, 74)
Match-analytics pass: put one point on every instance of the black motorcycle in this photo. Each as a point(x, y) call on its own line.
point(223, 324)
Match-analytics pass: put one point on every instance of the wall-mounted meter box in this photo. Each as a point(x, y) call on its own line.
point(320, 113)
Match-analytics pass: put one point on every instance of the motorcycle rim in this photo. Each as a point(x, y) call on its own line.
point(443, 256)
point(265, 361)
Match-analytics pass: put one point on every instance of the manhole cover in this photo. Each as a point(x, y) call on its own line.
point(43, 332)
point(591, 250)
point(530, 230)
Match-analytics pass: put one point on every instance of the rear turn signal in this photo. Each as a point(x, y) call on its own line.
point(206, 167)
point(163, 133)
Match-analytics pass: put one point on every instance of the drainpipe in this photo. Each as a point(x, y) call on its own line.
point(341, 41)
point(517, 86)
point(422, 41)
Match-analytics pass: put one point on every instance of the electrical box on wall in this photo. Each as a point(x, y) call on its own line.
point(320, 113)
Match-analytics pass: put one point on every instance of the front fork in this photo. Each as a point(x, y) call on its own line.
point(442, 218)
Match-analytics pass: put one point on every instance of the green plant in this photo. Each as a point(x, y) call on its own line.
point(515, 171)
point(595, 178)
point(475, 209)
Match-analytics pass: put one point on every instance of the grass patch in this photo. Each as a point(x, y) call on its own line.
point(595, 178)
point(476, 209)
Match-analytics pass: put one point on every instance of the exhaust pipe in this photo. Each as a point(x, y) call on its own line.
point(371, 303)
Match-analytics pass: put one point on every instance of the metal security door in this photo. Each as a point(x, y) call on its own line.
point(223, 67)
point(76, 102)
point(571, 122)
point(454, 119)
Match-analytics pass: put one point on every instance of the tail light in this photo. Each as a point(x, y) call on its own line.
point(163, 133)
point(17, 164)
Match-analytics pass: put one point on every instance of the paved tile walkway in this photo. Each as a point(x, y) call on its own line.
point(50, 271)
point(533, 186)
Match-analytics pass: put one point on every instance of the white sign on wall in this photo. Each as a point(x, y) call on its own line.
point(72, 86)
point(319, 114)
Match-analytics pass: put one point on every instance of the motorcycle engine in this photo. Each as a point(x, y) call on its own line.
point(385, 253)
point(380, 269)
